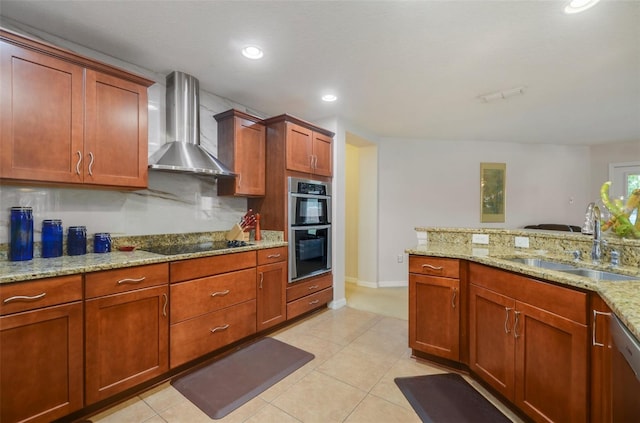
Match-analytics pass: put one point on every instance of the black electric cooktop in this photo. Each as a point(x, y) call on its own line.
point(169, 250)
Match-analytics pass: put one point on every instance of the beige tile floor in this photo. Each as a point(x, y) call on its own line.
point(359, 350)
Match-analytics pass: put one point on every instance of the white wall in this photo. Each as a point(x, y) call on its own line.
point(437, 183)
point(352, 209)
point(604, 154)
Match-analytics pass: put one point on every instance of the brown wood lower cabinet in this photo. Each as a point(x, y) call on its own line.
point(528, 340)
point(41, 350)
point(271, 307)
point(601, 364)
point(127, 333)
point(309, 294)
point(434, 311)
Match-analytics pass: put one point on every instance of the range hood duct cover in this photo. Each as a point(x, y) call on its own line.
point(184, 153)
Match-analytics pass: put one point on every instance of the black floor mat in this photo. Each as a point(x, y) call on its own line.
point(448, 398)
point(225, 385)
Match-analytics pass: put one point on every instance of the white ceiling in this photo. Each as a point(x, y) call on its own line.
point(401, 69)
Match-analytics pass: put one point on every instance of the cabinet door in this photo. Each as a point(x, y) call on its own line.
point(272, 297)
point(434, 315)
point(41, 117)
point(116, 132)
point(127, 341)
point(41, 364)
point(250, 160)
point(323, 153)
point(299, 142)
point(551, 366)
point(491, 343)
point(601, 387)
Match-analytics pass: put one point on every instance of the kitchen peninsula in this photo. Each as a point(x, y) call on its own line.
point(522, 320)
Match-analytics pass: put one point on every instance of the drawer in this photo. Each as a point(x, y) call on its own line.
point(272, 255)
point(435, 266)
point(193, 298)
point(209, 266)
point(308, 303)
point(196, 337)
point(109, 282)
point(300, 289)
point(22, 296)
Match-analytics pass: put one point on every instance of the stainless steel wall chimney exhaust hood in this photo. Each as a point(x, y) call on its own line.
point(183, 152)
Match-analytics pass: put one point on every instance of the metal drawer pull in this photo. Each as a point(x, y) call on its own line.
point(24, 298)
point(78, 163)
point(432, 267)
point(129, 280)
point(314, 302)
point(221, 293)
point(273, 255)
point(453, 298)
point(225, 327)
point(164, 307)
point(506, 320)
point(515, 325)
point(594, 342)
point(91, 164)
point(314, 287)
point(261, 279)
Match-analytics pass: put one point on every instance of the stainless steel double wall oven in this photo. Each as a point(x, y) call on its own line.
point(309, 228)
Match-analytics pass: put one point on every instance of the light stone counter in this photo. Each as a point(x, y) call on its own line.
point(16, 271)
point(622, 296)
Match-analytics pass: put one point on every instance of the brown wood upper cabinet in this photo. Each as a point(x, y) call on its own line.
point(68, 119)
point(308, 151)
point(241, 146)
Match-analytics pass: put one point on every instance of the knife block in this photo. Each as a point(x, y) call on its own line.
point(237, 234)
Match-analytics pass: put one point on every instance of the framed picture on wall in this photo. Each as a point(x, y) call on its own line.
point(493, 181)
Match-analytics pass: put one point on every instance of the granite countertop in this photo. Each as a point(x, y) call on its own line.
point(16, 271)
point(622, 296)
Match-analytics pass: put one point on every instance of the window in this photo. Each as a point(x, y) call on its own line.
point(624, 177)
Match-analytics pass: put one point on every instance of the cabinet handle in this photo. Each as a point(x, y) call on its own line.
point(314, 302)
point(239, 180)
point(314, 287)
point(506, 320)
point(273, 255)
point(432, 267)
point(24, 298)
point(453, 298)
point(311, 161)
point(225, 327)
point(261, 279)
point(91, 163)
point(220, 293)
point(515, 325)
point(78, 162)
point(315, 161)
point(164, 307)
point(129, 280)
point(594, 342)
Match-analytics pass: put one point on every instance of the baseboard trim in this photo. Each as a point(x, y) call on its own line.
point(393, 284)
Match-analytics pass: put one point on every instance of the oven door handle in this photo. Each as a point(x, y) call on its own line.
point(308, 227)
point(314, 196)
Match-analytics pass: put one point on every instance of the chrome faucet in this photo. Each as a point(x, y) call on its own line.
point(596, 247)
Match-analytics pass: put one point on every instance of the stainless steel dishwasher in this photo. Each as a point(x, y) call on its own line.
point(625, 373)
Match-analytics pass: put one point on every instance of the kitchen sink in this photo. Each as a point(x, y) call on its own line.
point(545, 264)
point(600, 275)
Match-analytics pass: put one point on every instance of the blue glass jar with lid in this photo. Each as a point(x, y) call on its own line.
point(21, 248)
point(51, 238)
point(77, 240)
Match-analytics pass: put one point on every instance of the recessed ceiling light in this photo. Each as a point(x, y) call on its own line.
point(252, 52)
point(329, 97)
point(577, 6)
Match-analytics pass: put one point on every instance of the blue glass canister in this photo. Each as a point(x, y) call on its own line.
point(102, 242)
point(77, 240)
point(51, 238)
point(21, 234)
